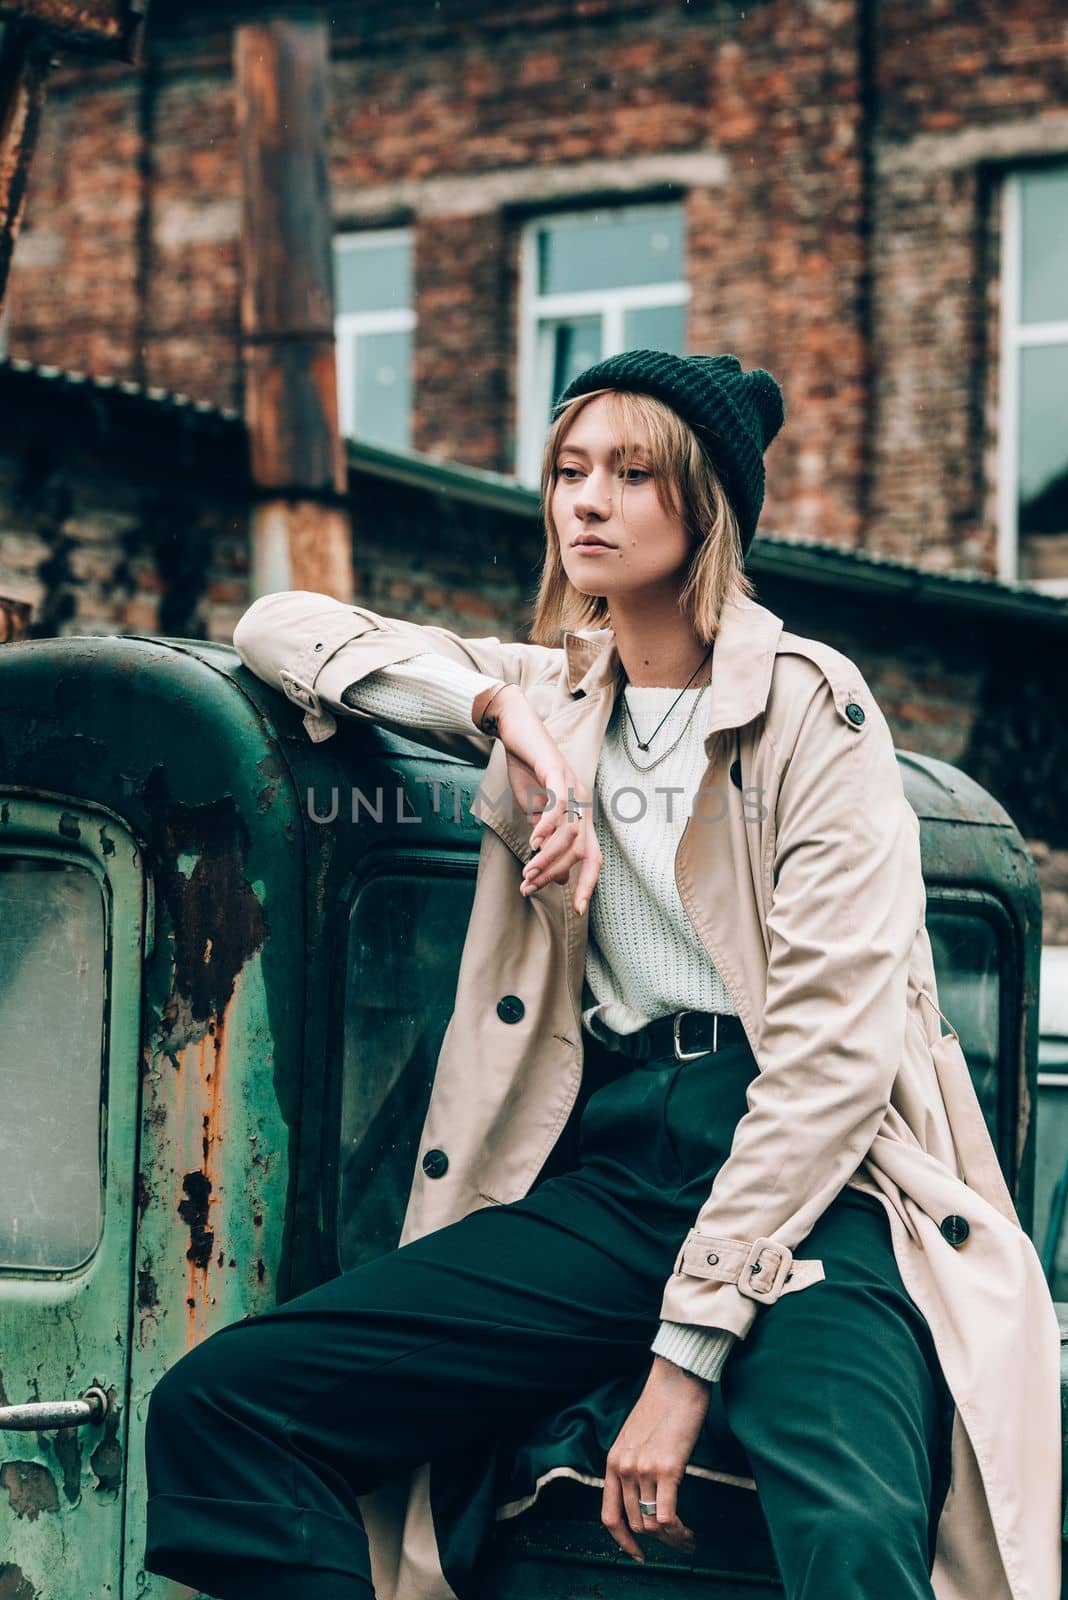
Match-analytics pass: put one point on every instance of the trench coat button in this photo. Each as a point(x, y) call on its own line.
point(736, 774)
point(435, 1163)
point(954, 1229)
point(855, 713)
point(510, 1008)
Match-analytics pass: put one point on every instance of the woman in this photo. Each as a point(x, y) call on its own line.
point(699, 893)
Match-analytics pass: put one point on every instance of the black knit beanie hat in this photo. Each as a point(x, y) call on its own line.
point(735, 414)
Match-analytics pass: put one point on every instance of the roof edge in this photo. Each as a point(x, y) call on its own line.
point(775, 556)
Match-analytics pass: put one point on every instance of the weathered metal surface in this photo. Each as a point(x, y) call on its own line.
point(969, 843)
point(205, 790)
point(287, 313)
point(24, 59)
point(111, 27)
point(14, 1584)
point(61, 1489)
point(14, 619)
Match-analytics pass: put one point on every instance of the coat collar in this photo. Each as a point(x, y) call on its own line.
point(742, 663)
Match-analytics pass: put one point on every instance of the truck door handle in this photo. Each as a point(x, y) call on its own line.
point(92, 1406)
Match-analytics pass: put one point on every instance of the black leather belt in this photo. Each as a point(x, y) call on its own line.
point(683, 1036)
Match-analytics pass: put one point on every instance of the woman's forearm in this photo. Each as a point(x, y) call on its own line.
point(426, 691)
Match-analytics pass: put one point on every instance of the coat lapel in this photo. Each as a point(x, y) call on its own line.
point(742, 664)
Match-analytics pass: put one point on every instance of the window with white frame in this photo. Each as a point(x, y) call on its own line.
point(373, 322)
point(1033, 469)
point(593, 283)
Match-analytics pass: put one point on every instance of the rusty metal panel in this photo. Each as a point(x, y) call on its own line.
point(219, 1058)
point(64, 1296)
point(112, 27)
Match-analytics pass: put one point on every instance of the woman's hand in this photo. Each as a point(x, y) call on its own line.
point(537, 773)
point(650, 1456)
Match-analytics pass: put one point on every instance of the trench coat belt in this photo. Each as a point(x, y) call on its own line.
point(682, 1036)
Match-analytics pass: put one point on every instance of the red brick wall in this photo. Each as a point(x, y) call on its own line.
point(965, 92)
point(73, 289)
point(848, 242)
point(192, 319)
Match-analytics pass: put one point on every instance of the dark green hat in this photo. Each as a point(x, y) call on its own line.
point(734, 414)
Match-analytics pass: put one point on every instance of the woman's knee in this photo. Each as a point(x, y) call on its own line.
point(857, 1549)
point(192, 1401)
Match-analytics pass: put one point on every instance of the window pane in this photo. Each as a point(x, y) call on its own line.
point(655, 328)
point(965, 950)
point(52, 944)
point(1043, 456)
point(405, 938)
point(373, 277)
point(613, 249)
point(1044, 245)
point(383, 379)
point(574, 344)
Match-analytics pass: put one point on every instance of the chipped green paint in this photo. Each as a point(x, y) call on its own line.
point(61, 1518)
point(199, 1057)
point(186, 863)
point(245, 909)
point(14, 1584)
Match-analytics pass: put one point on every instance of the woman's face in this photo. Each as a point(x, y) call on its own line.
point(639, 544)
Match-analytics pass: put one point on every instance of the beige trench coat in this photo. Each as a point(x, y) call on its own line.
point(805, 889)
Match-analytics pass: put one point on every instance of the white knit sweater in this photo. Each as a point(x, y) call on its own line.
point(644, 959)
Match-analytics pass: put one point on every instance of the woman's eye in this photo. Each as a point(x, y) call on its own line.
point(637, 472)
point(564, 473)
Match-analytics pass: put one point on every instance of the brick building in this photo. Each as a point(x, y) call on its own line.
point(870, 200)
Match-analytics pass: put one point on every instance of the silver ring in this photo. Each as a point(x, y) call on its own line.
point(647, 1508)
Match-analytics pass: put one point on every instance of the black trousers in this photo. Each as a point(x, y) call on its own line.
point(259, 1440)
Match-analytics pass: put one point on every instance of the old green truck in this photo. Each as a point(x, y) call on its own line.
point(227, 959)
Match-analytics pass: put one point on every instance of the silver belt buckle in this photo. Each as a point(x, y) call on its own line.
point(692, 1055)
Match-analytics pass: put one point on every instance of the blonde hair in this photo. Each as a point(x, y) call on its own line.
point(687, 485)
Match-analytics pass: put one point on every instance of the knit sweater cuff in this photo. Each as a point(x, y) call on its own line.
point(426, 691)
point(702, 1351)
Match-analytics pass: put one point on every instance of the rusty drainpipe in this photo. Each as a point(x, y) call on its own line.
point(301, 536)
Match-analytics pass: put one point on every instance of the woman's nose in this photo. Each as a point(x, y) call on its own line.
point(595, 494)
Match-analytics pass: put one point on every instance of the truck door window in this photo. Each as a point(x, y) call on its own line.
point(52, 961)
point(968, 964)
point(405, 936)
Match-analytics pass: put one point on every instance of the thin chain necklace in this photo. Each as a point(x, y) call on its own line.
point(648, 766)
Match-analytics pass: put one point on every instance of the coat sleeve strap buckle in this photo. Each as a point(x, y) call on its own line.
point(765, 1270)
point(319, 723)
point(762, 1271)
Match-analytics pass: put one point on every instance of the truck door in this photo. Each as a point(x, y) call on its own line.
point(72, 919)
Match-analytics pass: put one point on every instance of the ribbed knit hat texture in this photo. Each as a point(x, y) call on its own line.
point(735, 414)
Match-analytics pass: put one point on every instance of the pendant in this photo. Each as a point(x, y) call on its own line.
point(642, 746)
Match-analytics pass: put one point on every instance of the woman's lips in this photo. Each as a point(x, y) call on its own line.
point(589, 547)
